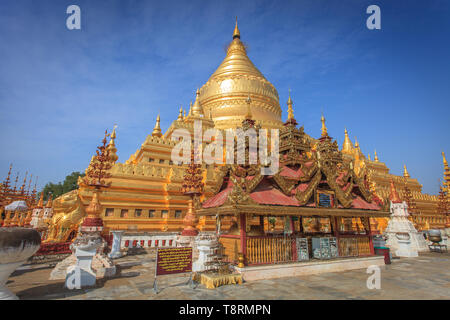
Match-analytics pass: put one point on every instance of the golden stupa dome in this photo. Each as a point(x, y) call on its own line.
point(225, 94)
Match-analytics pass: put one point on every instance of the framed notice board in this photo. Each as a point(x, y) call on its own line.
point(173, 260)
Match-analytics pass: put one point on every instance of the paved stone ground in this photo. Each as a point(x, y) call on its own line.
point(425, 277)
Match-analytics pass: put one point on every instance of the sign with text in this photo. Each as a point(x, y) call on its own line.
point(173, 260)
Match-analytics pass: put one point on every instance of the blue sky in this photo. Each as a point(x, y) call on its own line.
point(60, 89)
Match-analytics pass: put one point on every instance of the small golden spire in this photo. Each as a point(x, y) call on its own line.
point(324, 128)
point(113, 136)
point(443, 159)
point(157, 130)
point(184, 116)
point(190, 109)
point(40, 204)
point(290, 110)
point(368, 157)
point(236, 33)
point(197, 109)
point(347, 147)
point(375, 156)
point(394, 197)
point(249, 110)
point(356, 143)
point(49, 201)
point(405, 172)
point(180, 116)
point(112, 147)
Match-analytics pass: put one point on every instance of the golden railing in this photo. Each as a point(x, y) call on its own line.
point(354, 246)
point(263, 250)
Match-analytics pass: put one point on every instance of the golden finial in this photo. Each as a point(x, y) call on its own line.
point(236, 33)
point(443, 159)
point(405, 172)
point(375, 156)
point(347, 147)
point(324, 128)
point(180, 116)
point(113, 136)
point(157, 130)
point(368, 157)
point(290, 110)
point(184, 116)
point(249, 110)
point(197, 109)
point(356, 143)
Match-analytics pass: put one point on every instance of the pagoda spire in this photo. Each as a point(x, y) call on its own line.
point(197, 109)
point(394, 197)
point(49, 203)
point(40, 204)
point(157, 130)
point(446, 183)
point(368, 157)
point(324, 128)
point(405, 172)
point(236, 33)
point(180, 115)
point(290, 119)
point(190, 109)
point(347, 147)
point(376, 156)
point(112, 146)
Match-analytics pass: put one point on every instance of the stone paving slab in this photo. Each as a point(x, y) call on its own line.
point(425, 277)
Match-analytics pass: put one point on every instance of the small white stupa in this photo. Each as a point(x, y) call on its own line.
point(402, 237)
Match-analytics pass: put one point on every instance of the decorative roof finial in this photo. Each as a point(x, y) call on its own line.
point(443, 159)
point(236, 33)
point(290, 109)
point(157, 130)
point(324, 128)
point(376, 156)
point(113, 136)
point(405, 172)
point(180, 116)
point(368, 157)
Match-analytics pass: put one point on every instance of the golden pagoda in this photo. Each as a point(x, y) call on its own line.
point(146, 190)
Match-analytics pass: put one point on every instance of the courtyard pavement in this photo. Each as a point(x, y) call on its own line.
point(424, 277)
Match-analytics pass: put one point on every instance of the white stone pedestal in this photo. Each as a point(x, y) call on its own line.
point(405, 249)
point(81, 274)
point(100, 264)
point(117, 240)
point(206, 249)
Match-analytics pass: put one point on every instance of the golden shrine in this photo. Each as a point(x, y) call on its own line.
point(146, 190)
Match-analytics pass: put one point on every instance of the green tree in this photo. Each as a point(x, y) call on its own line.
point(60, 188)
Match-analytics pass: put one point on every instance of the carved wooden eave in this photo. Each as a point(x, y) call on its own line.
point(272, 210)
